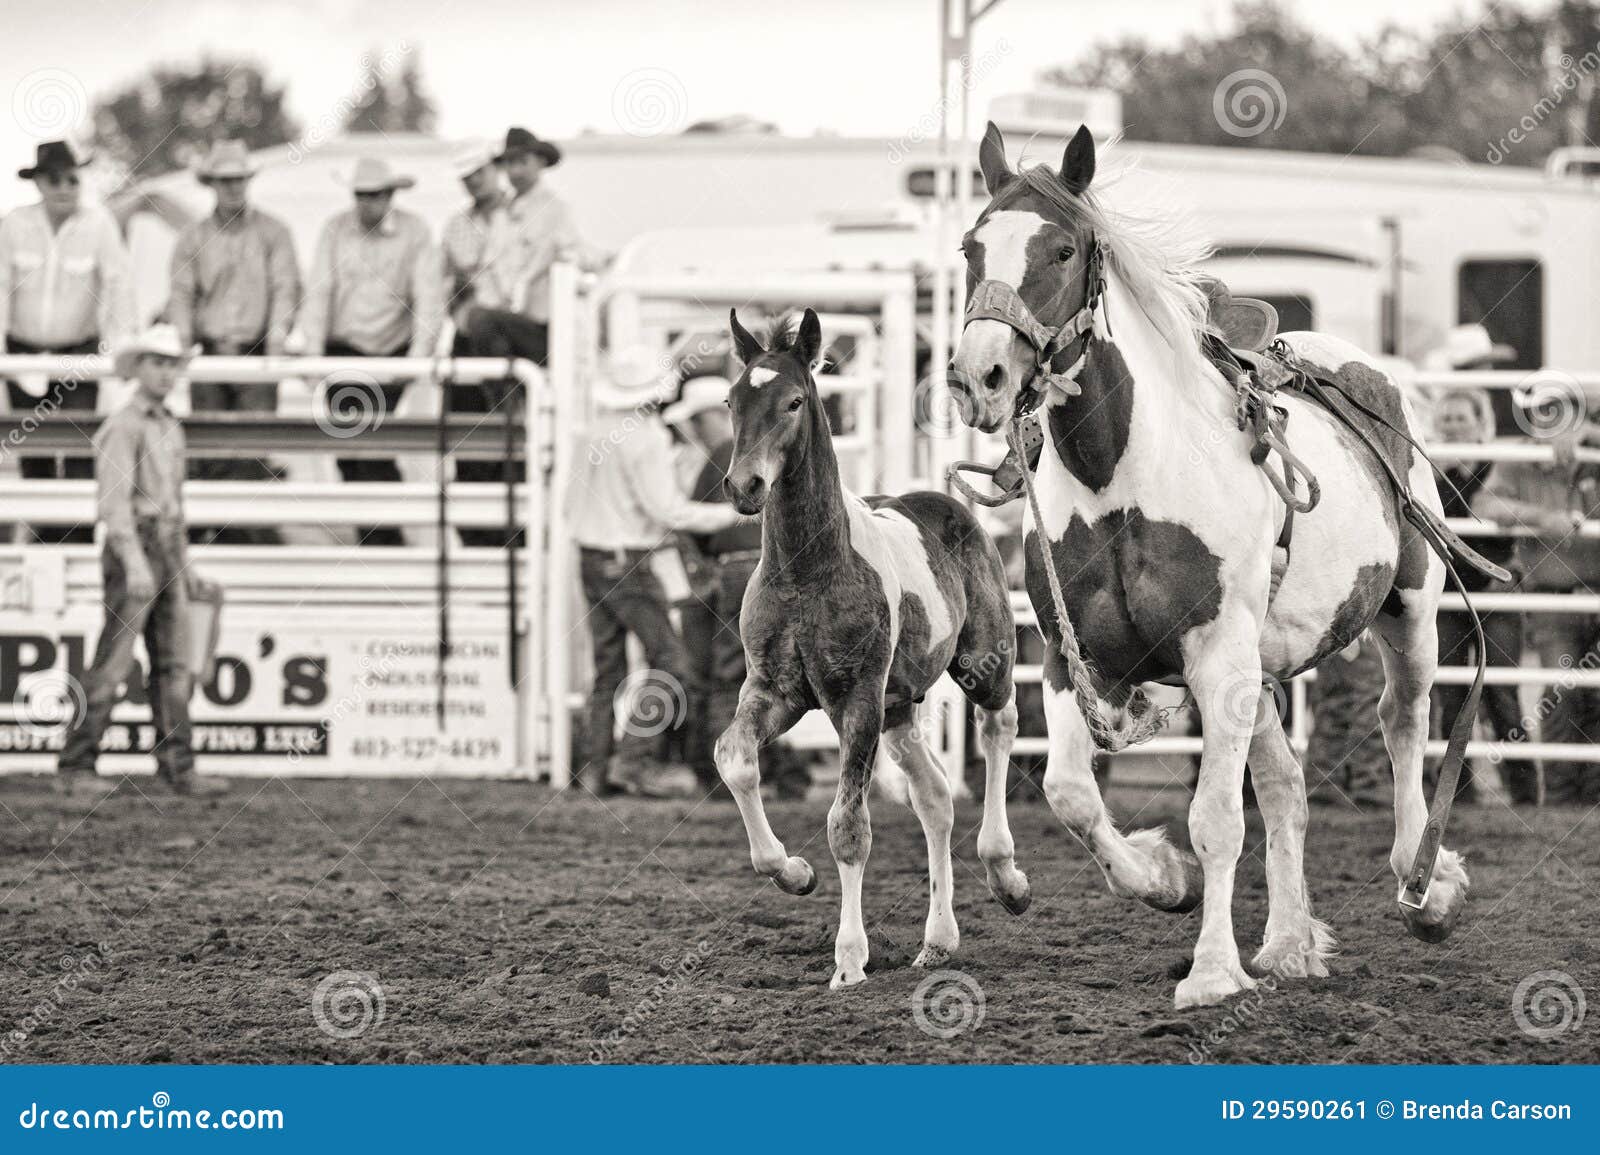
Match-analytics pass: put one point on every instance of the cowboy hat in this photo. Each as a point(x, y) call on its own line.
point(632, 376)
point(227, 160)
point(469, 158)
point(1466, 345)
point(697, 396)
point(52, 156)
point(374, 175)
point(520, 140)
point(157, 340)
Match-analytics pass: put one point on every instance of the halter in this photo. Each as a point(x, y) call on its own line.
point(997, 301)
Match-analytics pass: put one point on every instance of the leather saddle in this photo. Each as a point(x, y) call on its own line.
point(1242, 322)
point(1246, 326)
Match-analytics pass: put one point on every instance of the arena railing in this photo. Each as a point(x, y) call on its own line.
point(408, 575)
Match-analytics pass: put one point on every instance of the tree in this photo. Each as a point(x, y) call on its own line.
point(1469, 85)
point(390, 96)
point(166, 120)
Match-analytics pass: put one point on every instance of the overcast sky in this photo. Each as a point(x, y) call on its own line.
point(858, 67)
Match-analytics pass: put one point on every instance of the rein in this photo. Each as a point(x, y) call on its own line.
point(1143, 720)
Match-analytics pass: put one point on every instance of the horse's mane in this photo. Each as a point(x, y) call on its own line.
point(782, 332)
point(1157, 260)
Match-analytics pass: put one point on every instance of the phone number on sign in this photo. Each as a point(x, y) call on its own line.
point(1294, 1109)
point(423, 749)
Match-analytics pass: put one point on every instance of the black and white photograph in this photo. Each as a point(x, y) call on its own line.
point(891, 533)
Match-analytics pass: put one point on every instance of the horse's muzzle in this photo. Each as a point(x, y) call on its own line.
point(747, 497)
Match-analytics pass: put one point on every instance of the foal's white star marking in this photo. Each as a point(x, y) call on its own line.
point(759, 377)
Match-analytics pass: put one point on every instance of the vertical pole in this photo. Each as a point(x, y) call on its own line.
point(442, 574)
point(936, 403)
point(1394, 343)
point(555, 454)
point(533, 696)
point(899, 365)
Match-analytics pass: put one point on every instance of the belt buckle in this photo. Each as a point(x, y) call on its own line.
point(1405, 899)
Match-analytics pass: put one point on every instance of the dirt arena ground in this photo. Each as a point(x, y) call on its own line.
point(504, 924)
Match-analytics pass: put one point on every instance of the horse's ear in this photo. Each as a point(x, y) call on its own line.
point(1077, 165)
point(992, 160)
point(808, 340)
point(746, 345)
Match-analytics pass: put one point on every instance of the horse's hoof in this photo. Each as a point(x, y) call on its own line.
point(933, 956)
point(796, 877)
point(1183, 881)
point(1011, 889)
point(1211, 988)
point(1290, 960)
point(844, 978)
point(1431, 932)
point(1447, 898)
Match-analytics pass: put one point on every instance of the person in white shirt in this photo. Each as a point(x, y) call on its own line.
point(625, 503)
point(65, 288)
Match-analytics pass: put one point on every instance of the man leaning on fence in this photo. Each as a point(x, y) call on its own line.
point(373, 292)
point(65, 287)
point(139, 469)
point(235, 286)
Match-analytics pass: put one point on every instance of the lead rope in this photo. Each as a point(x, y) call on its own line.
point(1143, 719)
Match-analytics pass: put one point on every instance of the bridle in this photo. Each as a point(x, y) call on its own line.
point(997, 301)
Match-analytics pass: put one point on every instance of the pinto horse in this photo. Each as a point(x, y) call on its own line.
point(1160, 530)
point(856, 608)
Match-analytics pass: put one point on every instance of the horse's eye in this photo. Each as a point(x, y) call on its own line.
point(794, 406)
point(1065, 254)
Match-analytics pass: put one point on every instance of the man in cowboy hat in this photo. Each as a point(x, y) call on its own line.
point(373, 292)
point(65, 287)
point(139, 466)
point(235, 286)
point(625, 504)
point(720, 565)
point(512, 317)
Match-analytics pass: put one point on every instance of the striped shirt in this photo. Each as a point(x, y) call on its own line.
point(462, 247)
point(235, 283)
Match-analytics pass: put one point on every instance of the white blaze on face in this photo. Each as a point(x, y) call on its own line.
point(1004, 237)
point(759, 377)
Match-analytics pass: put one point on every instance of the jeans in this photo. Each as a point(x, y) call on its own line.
point(625, 598)
point(1567, 713)
point(231, 397)
point(711, 631)
point(359, 405)
point(1502, 635)
point(74, 395)
point(164, 621)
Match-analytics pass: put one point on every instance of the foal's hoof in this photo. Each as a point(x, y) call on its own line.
point(1010, 887)
point(796, 877)
point(932, 956)
point(847, 978)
